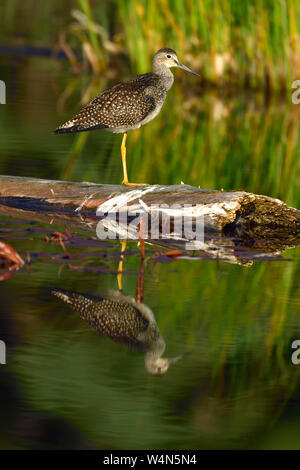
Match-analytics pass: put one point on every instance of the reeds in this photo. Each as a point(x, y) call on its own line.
point(253, 43)
point(250, 43)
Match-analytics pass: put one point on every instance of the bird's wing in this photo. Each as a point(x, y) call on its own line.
point(120, 106)
point(120, 321)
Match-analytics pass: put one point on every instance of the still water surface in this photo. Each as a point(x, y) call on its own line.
point(63, 385)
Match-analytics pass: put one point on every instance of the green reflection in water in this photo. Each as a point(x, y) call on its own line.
point(238, 324)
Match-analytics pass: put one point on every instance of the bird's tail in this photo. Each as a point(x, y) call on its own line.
point(70, 127)
point(78, 302)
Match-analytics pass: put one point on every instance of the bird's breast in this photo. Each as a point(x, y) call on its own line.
point(153, 113)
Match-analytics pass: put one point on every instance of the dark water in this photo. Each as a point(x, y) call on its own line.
point(63, 385)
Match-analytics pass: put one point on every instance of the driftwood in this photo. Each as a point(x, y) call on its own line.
point(248, 213)
point(257, 220)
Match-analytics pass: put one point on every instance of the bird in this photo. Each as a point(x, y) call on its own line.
point(124, 320)
point(128, 105)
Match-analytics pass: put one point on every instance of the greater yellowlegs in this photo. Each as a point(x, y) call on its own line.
point(124, 320)
point(128, 105)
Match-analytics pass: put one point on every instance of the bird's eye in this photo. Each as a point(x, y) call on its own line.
point(169, 57)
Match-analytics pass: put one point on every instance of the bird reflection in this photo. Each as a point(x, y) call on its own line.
point(123, 319)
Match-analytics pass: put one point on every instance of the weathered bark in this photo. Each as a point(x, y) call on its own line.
point(245, 213)
point(238, 226)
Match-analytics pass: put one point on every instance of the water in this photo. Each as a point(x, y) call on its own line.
point(63, 385)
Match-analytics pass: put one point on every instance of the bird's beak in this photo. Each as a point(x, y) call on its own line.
point(172, 360)
point(183, 67)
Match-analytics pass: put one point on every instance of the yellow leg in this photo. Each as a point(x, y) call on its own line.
point(123, 153)
point(120, 267)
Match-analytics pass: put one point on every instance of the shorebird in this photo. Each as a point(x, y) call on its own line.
point(128, 105)
point(122, 319)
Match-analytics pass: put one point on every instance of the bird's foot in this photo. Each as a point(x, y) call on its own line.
point(126, 183)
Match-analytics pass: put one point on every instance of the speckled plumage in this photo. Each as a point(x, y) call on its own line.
point(128, 105)
point(122, 107)
point(117, 316)
point(125, 320)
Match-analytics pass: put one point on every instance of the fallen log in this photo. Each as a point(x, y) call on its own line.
point(231, 220)
point(245, 213)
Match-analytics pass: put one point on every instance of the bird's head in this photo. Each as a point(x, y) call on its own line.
point(168, 58)
point(160, 365)
point(157, 367)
